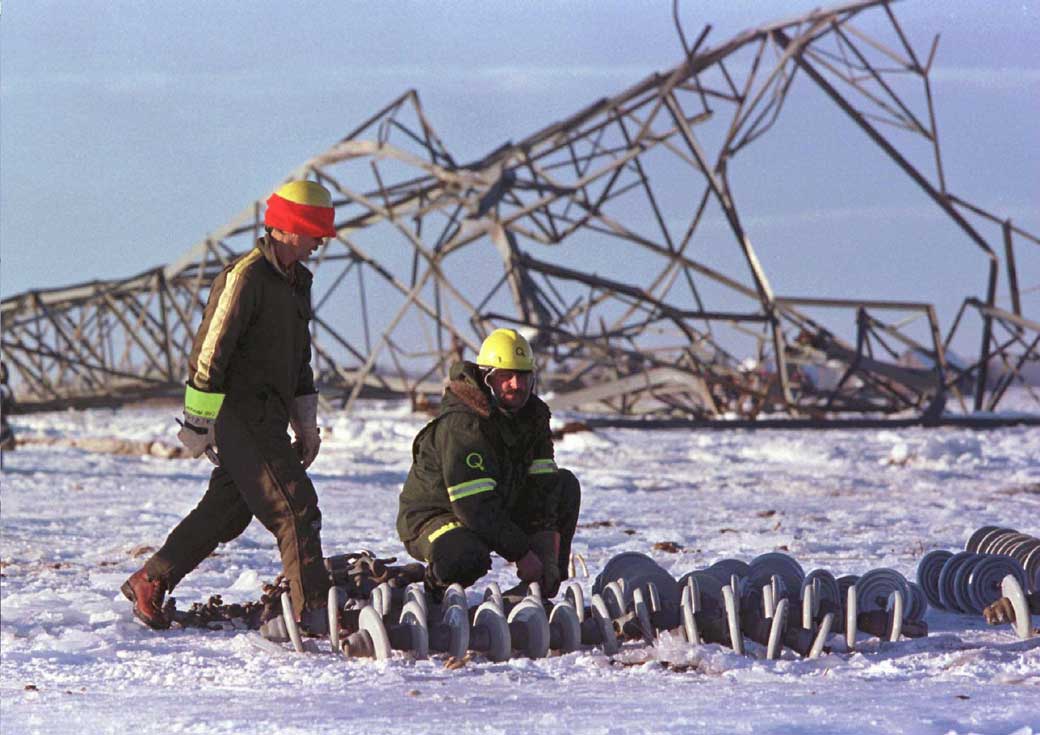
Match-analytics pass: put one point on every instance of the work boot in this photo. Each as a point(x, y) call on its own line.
point(147, 595)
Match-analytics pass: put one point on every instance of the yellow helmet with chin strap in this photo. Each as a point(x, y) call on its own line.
point(506, 349)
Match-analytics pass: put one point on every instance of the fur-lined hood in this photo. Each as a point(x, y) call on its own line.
point(466, 386)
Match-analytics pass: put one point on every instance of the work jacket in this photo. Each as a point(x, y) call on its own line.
point(493, 472)
point(254, 344)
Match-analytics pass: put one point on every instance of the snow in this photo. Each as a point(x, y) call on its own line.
point(75, 523)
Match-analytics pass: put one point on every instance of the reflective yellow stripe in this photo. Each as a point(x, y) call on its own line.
point(218, 324)
point(542, 467)
point(443, 530)
point(473, 487)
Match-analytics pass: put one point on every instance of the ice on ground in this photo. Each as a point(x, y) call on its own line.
point(74, 524)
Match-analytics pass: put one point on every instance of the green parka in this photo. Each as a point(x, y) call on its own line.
point(494, 472)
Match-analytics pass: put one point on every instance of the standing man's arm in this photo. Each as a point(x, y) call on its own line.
point(303, 414)
point(228, 312)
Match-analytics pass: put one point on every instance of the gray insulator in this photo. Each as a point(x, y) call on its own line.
point(1011, 589)
point(736, 637)
point(776, 629)
point(689, 607)
point(632, 570)
point(724, 568)
point(414, 618)
point(380, 599)
point(333, 613)
point(896, 608)
point(572, 591)
point(821, 636)
point(947, 585)
point(962, 587)
point(290, 623)
point(642, 611)
point(928, 571)
point(564, 628)
point(764, 566)
point(451, 635)
point(990, 539)
point(709, 588)
point(614, 596)
point(1032, 567)
point(828, 594)
point(490, 624)
point(606, 625)
point(975, 540)
point(986, 576)
point(918, 606)
point(876, 586)
point(654, 597)
point(371, 622)
point(455, 595)
point(851, 615)
point(417, 592)
point(810, 605)
point(493, 594)
point(529, 628)
point(1021, 547)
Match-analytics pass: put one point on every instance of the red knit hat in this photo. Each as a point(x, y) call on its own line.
point(302, 207)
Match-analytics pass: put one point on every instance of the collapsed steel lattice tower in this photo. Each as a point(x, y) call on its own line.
point(566, 234)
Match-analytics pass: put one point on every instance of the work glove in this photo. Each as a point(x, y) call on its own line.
point(1000, 611)
point(529, 567)
point(200, 418)
point(546, 545)
point(303, 416)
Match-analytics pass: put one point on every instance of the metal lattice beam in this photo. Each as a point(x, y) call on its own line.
point(569, 234)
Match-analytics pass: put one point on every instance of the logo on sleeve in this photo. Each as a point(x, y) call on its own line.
point(475, 461)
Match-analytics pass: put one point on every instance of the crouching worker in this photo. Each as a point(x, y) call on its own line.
point(249, 378)
point(483, 477)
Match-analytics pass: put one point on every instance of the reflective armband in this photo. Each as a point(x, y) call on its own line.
point(203, 405)
point(473, 487)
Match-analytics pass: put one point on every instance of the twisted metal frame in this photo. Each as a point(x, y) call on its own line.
point(568, 235)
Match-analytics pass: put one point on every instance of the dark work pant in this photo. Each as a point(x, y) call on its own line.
point(259, 475)
point(460, 555)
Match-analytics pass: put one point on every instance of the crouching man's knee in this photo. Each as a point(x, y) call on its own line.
point(459, 557)
point(570, 490)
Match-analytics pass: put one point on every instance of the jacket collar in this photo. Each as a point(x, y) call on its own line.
point(466, 384)
point(298, 274)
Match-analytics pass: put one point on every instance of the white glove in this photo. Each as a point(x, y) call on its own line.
point(197, 435)
point(303, 416)
point(200, 416)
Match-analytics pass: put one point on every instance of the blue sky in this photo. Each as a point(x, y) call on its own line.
point(128, 130)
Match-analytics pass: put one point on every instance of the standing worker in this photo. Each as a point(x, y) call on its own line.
point(484, 477)
point(249, 377)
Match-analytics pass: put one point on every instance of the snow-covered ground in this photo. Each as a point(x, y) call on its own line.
point(75, 661)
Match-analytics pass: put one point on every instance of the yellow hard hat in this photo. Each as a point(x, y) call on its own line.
point(506, 349)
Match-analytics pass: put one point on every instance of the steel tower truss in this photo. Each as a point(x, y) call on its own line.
point(633, 306)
